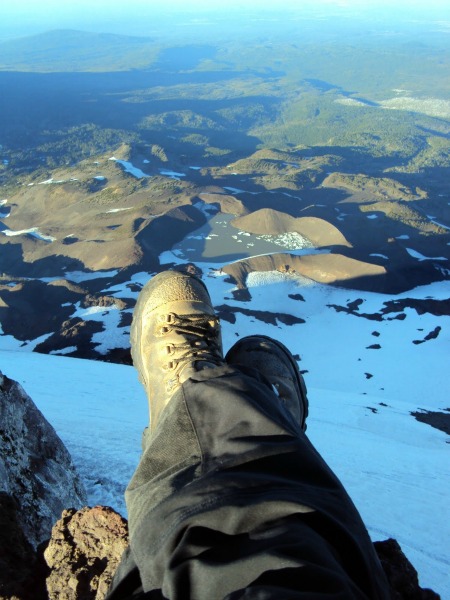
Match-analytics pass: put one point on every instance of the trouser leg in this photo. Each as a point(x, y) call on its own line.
point(231, 500)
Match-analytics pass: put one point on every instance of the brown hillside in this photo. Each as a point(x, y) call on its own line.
point(228, 204)
point(272, 222)
point(323, 268)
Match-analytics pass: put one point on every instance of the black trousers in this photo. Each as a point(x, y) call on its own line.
point(231, 500)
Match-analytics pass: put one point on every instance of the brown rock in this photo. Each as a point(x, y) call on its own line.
point(84, 552)
point(102, 301)
point(402, 576)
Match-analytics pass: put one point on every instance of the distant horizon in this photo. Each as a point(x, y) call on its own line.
point(139, 18)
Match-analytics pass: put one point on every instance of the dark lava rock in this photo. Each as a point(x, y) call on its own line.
point(22, 575)
point(438, 420)
point(228, 313)
point(400, 573)
point(422, 306)
point(296, 297)
point(430, 336)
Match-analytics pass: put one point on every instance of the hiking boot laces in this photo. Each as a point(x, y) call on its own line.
point(200, 343)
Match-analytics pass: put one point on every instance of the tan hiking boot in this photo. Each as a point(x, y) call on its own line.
point(274, 361)
point(174, 333)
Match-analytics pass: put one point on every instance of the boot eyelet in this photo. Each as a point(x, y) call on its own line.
point(171, 384)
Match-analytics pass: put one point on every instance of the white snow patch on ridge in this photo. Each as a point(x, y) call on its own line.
point(351, 102)
point(53, 181)
point(172, 174)
point(435, 107)
point(34, 231)
point(66, 350)
point(130, 168)
point(79, 276)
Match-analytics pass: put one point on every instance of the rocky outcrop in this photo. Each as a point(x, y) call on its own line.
point(22, 574)
point(36, 469)
point(77, 563)
point(83, 553)
point(55, 317)
point(401, 574)
point(24, 318)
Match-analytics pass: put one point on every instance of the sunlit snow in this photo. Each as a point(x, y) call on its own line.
point(34, 231)
point(130, 168)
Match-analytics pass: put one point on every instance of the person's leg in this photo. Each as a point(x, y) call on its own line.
point(231, 500)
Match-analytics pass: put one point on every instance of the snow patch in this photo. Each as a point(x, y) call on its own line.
point(130, 168)
point(51, 180)
point(351, 102)
point(171, 174)
point(421, 257)
point(79, 276)
point(33, 231)
point(234, 190)
point(67, 350)
point(435, 107)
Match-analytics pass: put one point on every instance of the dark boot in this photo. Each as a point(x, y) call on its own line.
point(274, 361)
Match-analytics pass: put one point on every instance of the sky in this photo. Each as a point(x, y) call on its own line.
point(24, 17)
